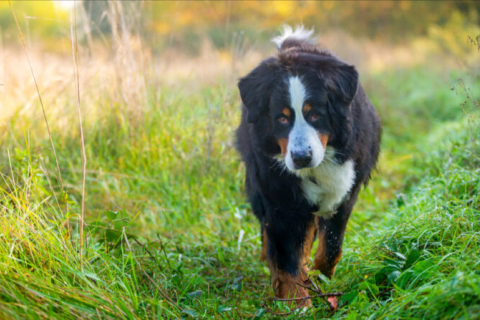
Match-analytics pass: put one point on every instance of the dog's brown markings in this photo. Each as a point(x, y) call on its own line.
point(335, 263)
point(306, 108)
point(283, 143)
point(285, 285)
point(289, 286)
point(263, 254)
point(321, 261)
point(323, 139)
point(307, 244)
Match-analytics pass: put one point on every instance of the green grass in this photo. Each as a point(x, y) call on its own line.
point(166, 212)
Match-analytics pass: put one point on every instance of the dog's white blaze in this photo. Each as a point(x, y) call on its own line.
point(331, 183)
point(325, 183)
point(303, 136)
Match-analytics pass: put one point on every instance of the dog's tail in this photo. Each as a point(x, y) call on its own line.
point(293, 37)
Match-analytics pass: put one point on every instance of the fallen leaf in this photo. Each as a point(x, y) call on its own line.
point(333, 302)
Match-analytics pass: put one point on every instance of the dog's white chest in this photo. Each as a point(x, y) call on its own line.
point(327, 185)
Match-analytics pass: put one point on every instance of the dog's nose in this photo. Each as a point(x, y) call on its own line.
point(302, 158)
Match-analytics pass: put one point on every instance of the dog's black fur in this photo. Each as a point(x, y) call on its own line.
point(347, 117)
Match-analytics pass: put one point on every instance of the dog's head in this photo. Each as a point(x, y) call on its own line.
point(298, 100)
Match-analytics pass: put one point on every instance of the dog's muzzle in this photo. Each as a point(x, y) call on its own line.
point(302, 159)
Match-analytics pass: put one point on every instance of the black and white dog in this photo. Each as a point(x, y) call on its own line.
point(309, 137)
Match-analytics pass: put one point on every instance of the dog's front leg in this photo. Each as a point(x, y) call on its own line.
point(288, 249)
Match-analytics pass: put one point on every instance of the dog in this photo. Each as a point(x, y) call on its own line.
point(310, 138)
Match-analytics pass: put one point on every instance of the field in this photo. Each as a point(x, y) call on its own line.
point(168, 231)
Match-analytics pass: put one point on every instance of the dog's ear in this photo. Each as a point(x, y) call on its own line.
point(341, 81)
point(256, 87)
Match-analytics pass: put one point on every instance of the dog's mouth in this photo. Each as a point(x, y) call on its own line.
point(309, 166)
point(299, 164)
point(298, 159)
point(306, 159)
point(297, 167)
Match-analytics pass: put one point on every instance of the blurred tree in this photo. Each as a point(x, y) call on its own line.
point(96, 12)
point(43, 18)
point(184, 24)
point(383, 20)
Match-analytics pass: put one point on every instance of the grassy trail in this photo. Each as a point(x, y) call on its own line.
point(170, 234)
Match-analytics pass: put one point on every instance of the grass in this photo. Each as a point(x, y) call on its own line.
point(170, 235)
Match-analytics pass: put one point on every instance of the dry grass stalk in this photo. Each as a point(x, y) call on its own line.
point(41, 101)
point(73, 29)
point(129, 55)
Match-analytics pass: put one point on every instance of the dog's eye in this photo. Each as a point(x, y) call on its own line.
point(283, 120)
point(314, 116)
